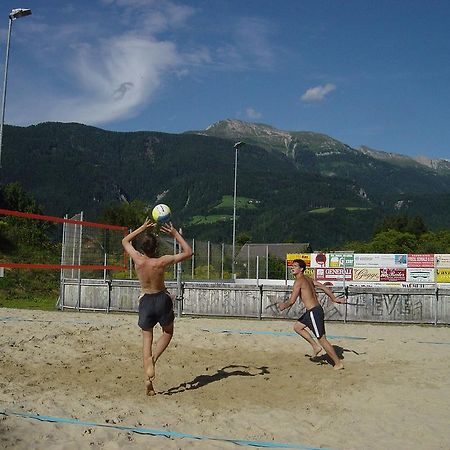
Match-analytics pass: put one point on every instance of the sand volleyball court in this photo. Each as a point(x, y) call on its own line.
point(72, 380)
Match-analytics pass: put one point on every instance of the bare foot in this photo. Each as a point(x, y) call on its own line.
point(149, 390)
point(338, 366)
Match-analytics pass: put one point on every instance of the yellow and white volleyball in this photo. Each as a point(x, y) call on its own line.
point(161, 213)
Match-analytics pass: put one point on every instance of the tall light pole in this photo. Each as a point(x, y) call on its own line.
point(13, 15)
point(236, 148)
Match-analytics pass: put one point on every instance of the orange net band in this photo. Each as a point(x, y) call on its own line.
point(7, 212)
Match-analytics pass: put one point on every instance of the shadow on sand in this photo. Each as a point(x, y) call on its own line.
point(225, 372)
point(325, 359)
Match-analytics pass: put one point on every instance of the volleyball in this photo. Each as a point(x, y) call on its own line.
point(161, 213)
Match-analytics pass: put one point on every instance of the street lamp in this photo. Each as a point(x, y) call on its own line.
point(13, 15)
point(236, 148)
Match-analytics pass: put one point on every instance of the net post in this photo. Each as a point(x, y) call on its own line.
point(78, 306)
point(62, 283)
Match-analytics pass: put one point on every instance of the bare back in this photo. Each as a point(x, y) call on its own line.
point(149, 269)
point(150, 272)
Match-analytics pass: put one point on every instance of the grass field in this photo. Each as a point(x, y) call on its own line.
point(327, 210)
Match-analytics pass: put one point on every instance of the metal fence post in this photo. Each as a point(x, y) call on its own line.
point(208, 257)
point(222, 262)
point(193, 259)
point(436, 305)
point(248, 260)
point(260, 302)
point(257, 269)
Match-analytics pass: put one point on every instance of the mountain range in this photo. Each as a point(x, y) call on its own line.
point(292, 186)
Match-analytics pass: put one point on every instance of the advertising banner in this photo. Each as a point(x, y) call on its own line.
point(319, 260)
point(420, 275)
point(421, 260)
point(380, 260)
point(443, 275)
point(366, 274)
point(341, 259)
point(392, 275)
point(442, 260)
point(305, 256)
point(417, 285)
point(333, 274)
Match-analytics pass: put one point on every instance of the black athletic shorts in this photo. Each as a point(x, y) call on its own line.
point(314, 319)
point(154, 308)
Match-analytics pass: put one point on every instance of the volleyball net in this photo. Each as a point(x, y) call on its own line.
point(67, 243)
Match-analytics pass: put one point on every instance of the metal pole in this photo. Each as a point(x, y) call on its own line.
point(343, 288)
point(63, 261)
point(5, 82)
point(233, 274)
point(209, 257)
point(79, 261)
point(236, 147)
point(257, 269)
point(223, 254)
point(105, 260)
point(248, 260)
point(130, 262)
point(193, 259)
point(267, 262)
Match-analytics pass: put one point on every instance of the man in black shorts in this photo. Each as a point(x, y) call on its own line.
point(155, 304)
point(313, 318)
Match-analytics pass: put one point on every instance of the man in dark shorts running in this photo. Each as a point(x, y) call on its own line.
point(313, 318)
point(155, 304)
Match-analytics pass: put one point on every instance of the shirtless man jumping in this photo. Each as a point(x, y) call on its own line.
point(155, 304)
point(313, 318)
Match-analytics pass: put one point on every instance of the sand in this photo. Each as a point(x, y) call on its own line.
point(84, 370)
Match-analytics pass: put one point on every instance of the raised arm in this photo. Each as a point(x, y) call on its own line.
point(186, 250)
point(327, 291)
point(126, 241)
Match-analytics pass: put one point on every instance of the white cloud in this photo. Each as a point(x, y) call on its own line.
point(115, 80)
point(253, 114)
point(318, 93)
point(100, 75)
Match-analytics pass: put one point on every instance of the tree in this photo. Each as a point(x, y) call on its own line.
point(402, 223)
point(438, 242)
point(393, 241)
point(13, 230)
point(14, 197)
point(277, 268)
point(130, 215)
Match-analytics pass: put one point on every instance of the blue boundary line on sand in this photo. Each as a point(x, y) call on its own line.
point(163, 433)
point(275, 333)
point(433, 343)
point(22, 319)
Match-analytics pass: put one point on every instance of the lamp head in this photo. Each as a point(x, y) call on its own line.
point(239, 144)
point(19, 12)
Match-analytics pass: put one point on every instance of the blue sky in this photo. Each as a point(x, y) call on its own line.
point(373, 73)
